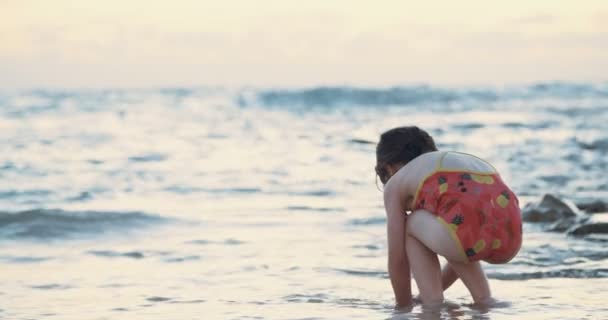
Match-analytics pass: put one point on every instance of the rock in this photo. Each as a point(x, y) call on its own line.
point(568, 223)
point(562, 225)
point(596, 224)
point(550, 209)
point(593, 228)
point(594, 206)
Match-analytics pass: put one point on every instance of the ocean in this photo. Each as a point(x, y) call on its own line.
point(261, 203)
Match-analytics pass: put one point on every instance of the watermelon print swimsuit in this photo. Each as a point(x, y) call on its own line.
point(481, 213)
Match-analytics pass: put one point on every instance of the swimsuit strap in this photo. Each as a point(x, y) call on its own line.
point(440, 161)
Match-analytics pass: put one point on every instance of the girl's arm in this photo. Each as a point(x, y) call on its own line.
point(448, 277)
point(398, 265)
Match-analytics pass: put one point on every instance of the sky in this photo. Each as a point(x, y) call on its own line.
point(137, 43)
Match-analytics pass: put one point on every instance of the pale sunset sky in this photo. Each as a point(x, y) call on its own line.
point(147, 43)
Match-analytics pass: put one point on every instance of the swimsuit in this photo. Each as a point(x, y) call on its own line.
point(481, 213)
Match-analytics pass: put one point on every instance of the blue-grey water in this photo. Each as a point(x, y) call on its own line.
point(255, 203)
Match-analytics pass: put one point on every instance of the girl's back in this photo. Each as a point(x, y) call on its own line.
point(429, 163)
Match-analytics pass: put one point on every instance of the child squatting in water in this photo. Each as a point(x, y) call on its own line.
point(450, 204)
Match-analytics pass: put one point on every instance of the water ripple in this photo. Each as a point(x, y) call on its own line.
point(576, 273)
point(114, 254)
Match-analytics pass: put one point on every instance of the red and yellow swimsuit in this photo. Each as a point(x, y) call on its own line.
point(481, 213)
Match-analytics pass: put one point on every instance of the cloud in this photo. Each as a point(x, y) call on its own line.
point(192, 42)
point(538, 18)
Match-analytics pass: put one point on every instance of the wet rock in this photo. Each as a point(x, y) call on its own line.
point(568, 223)
point(550, 209)
point(562, 225)
point(594, 206)
point(597, 224)
point(594, 228)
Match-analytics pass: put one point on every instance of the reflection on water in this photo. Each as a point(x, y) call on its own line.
point(261, 204)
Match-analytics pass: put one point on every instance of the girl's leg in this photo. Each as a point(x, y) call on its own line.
point(427, 237)
point(426, 270)
point(475, 280)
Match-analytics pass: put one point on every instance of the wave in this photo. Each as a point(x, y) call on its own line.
point(324, 298)
point(115, 254)
point(149, 157)
point(418, 95)
point(372, 221)
point(576, 273)
point(33, 102)
point(23, 259)
point(330, 96)
point(314, 209)
point(363, 273)
point(46, 224)
point(235, 190)
point(228, 241)
point(52, 286)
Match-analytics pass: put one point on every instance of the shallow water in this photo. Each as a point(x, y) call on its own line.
point(261, 203)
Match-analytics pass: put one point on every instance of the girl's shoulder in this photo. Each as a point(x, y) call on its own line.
point(454, 160)
point(419, 168)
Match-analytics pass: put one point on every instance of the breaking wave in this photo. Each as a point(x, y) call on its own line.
point(55, 223)
point(419, 95)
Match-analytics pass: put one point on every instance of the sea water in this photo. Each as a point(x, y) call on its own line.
point(261, 203)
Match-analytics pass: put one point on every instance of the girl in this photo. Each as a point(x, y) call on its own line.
point(443, 203)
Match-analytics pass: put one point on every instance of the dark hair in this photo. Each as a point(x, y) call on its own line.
point(400, 146)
